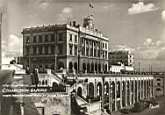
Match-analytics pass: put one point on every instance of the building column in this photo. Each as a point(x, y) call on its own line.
point(95, 88)
point(110, 96)
point(153, 90)
point(121, 87)
point(137, 99)
point(140, 89)
point(115, 96)
point(126, 93)
point(148, 89)
point(130, 97)
point(93, 48)
point(85, 46)
point(102, 95)
point(143, 89)
point(133, 91)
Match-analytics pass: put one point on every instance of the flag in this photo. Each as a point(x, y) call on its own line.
point(91, 5)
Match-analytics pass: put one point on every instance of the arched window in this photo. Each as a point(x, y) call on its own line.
point(60, 65)
point(99, 89)
point(43, 82)
point(46, 82)
point(70, 67)
point(55, 87)
point(92, 67)
point(84, 67)
point(105, 68)
point(75, 66)
point(91, 90)
point(88, 68)
point(99, 68)
point(79, 91)
point(96, 67)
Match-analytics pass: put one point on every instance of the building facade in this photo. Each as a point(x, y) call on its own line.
point(81, 50)
point(116, 91)
point(121, 56)
point(159, 84)
point(68, 46)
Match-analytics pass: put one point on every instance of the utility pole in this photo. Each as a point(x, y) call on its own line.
point(1, 15)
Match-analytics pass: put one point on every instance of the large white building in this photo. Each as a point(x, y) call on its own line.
point(69, 46)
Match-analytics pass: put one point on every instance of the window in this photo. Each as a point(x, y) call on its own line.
point(40, 38)
point(70, 37)
point(46, 49)
point(40, 49)
point(75, 38)
point(94, 52)
point(34, 50)
point(105, 46)
point(52, 37)
point(70, 49)
point(87, 51)
point(105, 54)
point(34, 39)
point(83, 51)
point(27, 50)
point(98, 53)
point(75, 50)
point(158, 84)
point(158, 89)
point(46, 38)
point(52, 49)
point(27, 39)
point(91, 52)
point(60, 36)
point(158, 79)
point(60, 49)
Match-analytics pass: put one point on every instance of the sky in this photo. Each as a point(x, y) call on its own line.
point(136, 25)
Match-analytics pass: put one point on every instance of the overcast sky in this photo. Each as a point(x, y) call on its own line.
point(130, 24)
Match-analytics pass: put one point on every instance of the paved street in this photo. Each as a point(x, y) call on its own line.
point(157, 111)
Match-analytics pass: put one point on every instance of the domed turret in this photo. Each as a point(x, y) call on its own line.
point(89, 22)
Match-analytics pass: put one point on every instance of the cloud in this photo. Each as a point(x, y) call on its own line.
point(140, 7)
point(148, 42)
point(163, 15)
point(42, 4)
point(124, 47)
point(67, 10)
point(14, 46)
point(65, 15)
point(151, 49)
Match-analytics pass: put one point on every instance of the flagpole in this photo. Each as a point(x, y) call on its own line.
point(91, 6)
